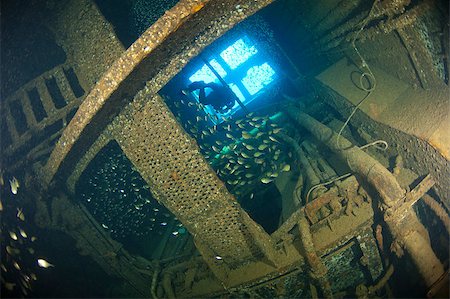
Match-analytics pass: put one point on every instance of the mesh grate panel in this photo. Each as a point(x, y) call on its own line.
point(179, 176)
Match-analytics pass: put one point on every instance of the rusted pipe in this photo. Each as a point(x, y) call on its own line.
point(401, 219)
point(383, 280)
point(438, 210)
point(167, 284)
point(358, 161)
point(318, 269)
point(154, 281)
point(428, 265)
point(311, 178)
point(363, 291)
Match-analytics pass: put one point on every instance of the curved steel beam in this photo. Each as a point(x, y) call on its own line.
point(159, 54)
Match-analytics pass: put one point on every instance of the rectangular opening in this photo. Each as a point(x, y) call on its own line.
point(36, 104)
point(241, 66)
point(52, 129)
point(78, 91)
point(35, 140)
point(19, 116)
point(71, 114)
point(55, 93)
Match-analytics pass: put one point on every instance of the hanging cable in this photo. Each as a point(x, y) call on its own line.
point(368, 74)
point(324, 184)
point(376, 143)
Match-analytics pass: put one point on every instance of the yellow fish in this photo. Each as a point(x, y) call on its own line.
point(276, 131)
point(22, 233)
point(9, 286)
point(273, 139)
point(246, 135)
point(244, 155)
point(16, 265)
point(12, 251)
point(20, 214)
point(262, 147)
point(286, 167)
point(13, 236)
point(266, 180)
point(249, 147)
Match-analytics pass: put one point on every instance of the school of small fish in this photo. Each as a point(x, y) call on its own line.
point(245, 152)
point(119, 199)
point(17, 274)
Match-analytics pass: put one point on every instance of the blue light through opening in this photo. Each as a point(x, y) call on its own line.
point(239, 52)
point(205, 74)
point(242, 66)
point(238, 93)
point(257, 77)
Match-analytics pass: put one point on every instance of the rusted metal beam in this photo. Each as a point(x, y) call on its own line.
point(180, 178)
point(338, 38)
point(386, 8)
point(53, 114)
point(160, 53)
point(28, 111)
point(336, 15)
point(87, 38)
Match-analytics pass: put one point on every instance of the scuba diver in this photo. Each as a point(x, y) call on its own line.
point(221, 97)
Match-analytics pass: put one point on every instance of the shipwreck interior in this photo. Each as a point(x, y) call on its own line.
point(328, 176)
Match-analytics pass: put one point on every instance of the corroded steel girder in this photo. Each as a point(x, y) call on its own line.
point(181, 179)
point(160, 53)
point(148, 133)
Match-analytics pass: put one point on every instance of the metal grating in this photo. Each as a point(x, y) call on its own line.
point(180, 178)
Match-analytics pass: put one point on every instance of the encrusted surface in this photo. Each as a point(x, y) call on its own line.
point(64, 215)
point(181, 179)
point(191, 25)
point(101, 141)
point(419, 155)
point(87, 38)
point(152, 139)
point(32, 129)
